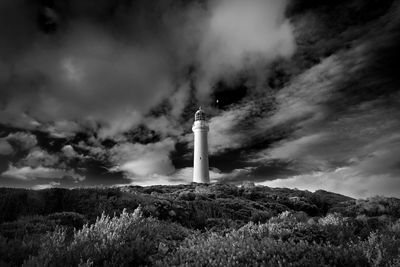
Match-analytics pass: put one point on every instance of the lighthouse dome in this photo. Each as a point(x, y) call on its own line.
point(200, 115)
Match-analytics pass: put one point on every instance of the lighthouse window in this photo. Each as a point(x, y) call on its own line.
point(199, 116)
point(200, 158)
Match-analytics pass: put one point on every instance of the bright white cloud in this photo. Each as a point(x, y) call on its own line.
point(138, 160)
point(69, 151)
point(28, 173)
point(224, 132)
point(242, 34)
point(371, 169)
point(45, 186)
point(186, 174)
point(348, 181)
point(180, 176)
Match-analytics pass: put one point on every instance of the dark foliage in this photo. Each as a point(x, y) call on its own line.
point(196, 224)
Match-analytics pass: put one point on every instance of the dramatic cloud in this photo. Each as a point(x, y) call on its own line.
point(224, 132)
point(39, 157)
point(45, 186)
point(137, 160)
point(344, 121)
point(86, 74)
point(22, 140)
point(165, 125)
point(322, 139)
point(91, 73)
point(70, 153)
point(303, 93)
point(234, 128)
point(242, 35)
point(347, 181)
point(180, 176)
point(62, 129)
point(93, 77)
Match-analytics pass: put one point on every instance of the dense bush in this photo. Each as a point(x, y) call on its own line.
point(190, 202)
point(125, 240)
point(71, 219)
point(286, 240)
point(256, 248)
point(197, 225)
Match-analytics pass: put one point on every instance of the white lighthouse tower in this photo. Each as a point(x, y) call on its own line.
point(200, 160)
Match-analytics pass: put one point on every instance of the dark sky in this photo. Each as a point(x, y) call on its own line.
point(299, 93)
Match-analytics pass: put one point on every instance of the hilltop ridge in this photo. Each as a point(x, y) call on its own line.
point(191, 204)
point(196, 224)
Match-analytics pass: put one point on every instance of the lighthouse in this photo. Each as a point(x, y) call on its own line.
point(200, 159)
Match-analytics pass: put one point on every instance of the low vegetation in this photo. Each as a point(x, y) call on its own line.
point(196, 225)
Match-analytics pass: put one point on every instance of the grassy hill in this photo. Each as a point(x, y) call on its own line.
point(196, 225)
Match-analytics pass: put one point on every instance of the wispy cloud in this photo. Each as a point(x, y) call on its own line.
point(224, 131)
point(28, 173)
point(347, 180)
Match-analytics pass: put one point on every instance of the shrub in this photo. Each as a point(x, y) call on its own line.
point(332, 219)
point(235, 225)
point(13, 252)
point(222, 225)
point(381, 249)
point(125, 240)
point(28, 225)
point(187, 195)
point(260, 216)
point(251, 246)
point(395, 227)
point(71, 219)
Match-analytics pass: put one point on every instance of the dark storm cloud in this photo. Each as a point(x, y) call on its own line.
point(337, 121)
point(106, 76)
point(307, 91)
point(82, 72)
point(112, 63)
point(346, 116)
